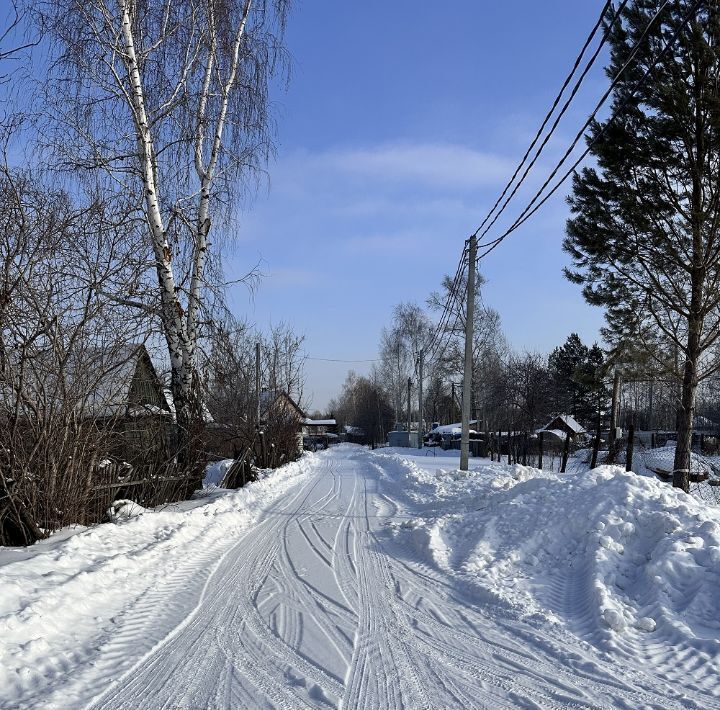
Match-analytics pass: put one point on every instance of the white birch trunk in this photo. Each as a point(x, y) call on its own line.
point(172, 311)
point(206, 172)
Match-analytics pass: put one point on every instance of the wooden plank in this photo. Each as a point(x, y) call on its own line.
point(162, 479)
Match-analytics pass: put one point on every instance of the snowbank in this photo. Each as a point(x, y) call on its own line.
point(662, 461)
point(63, 600)
point(624, 561)
point(215, 472)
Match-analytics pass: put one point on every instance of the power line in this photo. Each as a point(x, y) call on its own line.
point(332, 359)
point(549, 114)
point(432, 345)
point(532, 207)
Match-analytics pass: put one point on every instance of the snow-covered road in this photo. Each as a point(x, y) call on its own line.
point(320, 603)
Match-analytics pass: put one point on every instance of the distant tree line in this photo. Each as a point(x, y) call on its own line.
point(510, 390)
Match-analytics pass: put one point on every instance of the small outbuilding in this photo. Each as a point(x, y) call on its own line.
point(562, 426)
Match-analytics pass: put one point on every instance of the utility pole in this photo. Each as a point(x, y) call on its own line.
point(258, 428)
point(408, 412)
point(614, 415)
point(420, 400)
point(467, 370)
point(257, 384)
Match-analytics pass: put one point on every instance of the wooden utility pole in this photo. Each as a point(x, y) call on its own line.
point(420, 400)
point(467, 370)
point(596, 444)
point(630, 444)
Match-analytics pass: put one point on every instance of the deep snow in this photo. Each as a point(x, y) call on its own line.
point(386, 579)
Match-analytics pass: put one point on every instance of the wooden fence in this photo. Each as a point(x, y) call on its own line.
point(148, 486)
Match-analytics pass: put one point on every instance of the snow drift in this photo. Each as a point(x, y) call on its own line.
point(625, 562)
point(62, 601)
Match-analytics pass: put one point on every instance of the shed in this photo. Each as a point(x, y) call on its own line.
point(563, 425)
point(126, 394)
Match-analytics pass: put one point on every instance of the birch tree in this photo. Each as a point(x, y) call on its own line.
point(167, 100)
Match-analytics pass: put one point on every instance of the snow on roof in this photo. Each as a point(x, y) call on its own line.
point(662, 461)
point(319, 422)
point(570, 422)
point(450, 428)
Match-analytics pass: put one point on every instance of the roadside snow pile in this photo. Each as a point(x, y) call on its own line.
point(623, 561)
point(64, 600)
point(215, 472)
point(123, 509)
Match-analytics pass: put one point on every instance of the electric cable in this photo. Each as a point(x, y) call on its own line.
point(532, 207)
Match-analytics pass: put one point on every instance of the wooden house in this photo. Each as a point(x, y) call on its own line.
point(125, 396)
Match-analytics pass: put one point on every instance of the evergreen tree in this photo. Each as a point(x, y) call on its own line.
point(563, 363)
point(577, 377)
point(644, 235)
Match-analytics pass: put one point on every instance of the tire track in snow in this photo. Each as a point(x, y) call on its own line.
point(234, 570)
point(317, 606)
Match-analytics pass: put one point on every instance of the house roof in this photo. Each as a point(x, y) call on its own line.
point(451, 428)
point(95, 381)
point(269, 398)
point(319, 422)
point(565, 421)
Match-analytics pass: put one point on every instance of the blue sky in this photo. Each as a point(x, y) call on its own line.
point(400, 125)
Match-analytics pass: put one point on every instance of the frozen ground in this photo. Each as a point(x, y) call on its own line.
point(377, 580)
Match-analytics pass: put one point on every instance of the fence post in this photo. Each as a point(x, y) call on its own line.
point(566, 453)
point(614, 416)
point(596, 446)
point(629, 452)
point(540, 450)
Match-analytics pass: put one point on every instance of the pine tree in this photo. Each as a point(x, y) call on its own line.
point(576, 372)
point(644, 234)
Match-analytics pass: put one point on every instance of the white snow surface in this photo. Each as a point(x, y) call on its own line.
point(385, 579)
point(215, 472)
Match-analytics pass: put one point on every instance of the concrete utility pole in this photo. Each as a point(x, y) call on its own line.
point(408, 412)
point(420, 401)
point(467, 372)
point(614, 415)
point(257, 383)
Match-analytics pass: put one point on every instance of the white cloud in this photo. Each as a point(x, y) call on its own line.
point(433, 166)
